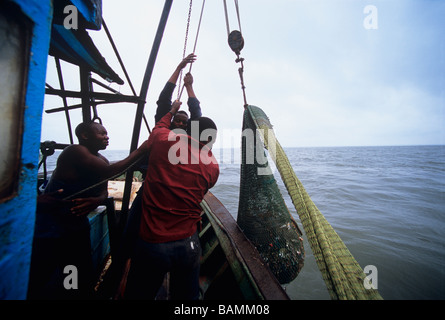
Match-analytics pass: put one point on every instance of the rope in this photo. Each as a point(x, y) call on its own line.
point(238, 15)
point(197, 32)
point(194, 46)
point(342, 274)
point(237, 37)
point(185, 46)
point(227, 16)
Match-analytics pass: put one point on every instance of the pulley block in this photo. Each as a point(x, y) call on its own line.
point(236, 41)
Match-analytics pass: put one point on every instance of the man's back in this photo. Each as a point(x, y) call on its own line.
point(180, 175)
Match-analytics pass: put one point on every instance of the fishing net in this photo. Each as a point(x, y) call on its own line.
point(342, 274)
point(262, 213)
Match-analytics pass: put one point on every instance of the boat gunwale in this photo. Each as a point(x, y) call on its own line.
point(263, 277)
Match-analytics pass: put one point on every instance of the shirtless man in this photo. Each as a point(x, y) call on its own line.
point(80, 166)
point(62, 231)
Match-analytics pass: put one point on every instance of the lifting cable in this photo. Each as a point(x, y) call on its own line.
point(227, 16)
point(181, 87)
point(179, 95)
point(236, 43)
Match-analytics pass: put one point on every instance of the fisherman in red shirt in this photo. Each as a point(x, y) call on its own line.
point(181, 170)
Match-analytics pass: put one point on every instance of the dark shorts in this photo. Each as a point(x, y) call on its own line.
point(151, 262)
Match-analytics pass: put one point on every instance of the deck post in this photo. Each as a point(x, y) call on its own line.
point(85, 88)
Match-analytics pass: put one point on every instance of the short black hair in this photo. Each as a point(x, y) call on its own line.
point(182, 112)
point(83, 127)
point(204, 124)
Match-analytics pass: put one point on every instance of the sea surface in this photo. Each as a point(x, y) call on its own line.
point(386, 203)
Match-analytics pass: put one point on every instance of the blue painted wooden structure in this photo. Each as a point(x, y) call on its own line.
point(100, 236)
point(17, 212)
point(17, 207)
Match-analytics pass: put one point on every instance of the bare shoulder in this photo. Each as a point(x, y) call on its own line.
point(79, 155)
point(75, 149)
point(103, 158)
point(71, 153)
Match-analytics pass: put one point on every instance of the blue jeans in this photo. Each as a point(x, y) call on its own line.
point(151, 261)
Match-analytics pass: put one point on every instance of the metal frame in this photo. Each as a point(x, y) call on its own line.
point(90, 99)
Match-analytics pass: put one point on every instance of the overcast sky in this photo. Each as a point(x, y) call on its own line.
point(324, 72)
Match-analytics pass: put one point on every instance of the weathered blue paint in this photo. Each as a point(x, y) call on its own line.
point(17, 215)
point(78, 48)
point(100, 237)
point(91, 11)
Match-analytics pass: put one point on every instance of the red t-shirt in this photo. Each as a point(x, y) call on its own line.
point(178, 177)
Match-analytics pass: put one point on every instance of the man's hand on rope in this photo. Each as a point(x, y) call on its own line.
point(83, 206)
point(175, 106)
point(188, 80)
point(189, 59)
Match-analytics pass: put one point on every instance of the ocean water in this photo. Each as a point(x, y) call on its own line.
point(386, 203)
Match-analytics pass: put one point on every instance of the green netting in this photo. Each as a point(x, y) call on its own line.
point(342, 274)
point(262, 214)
